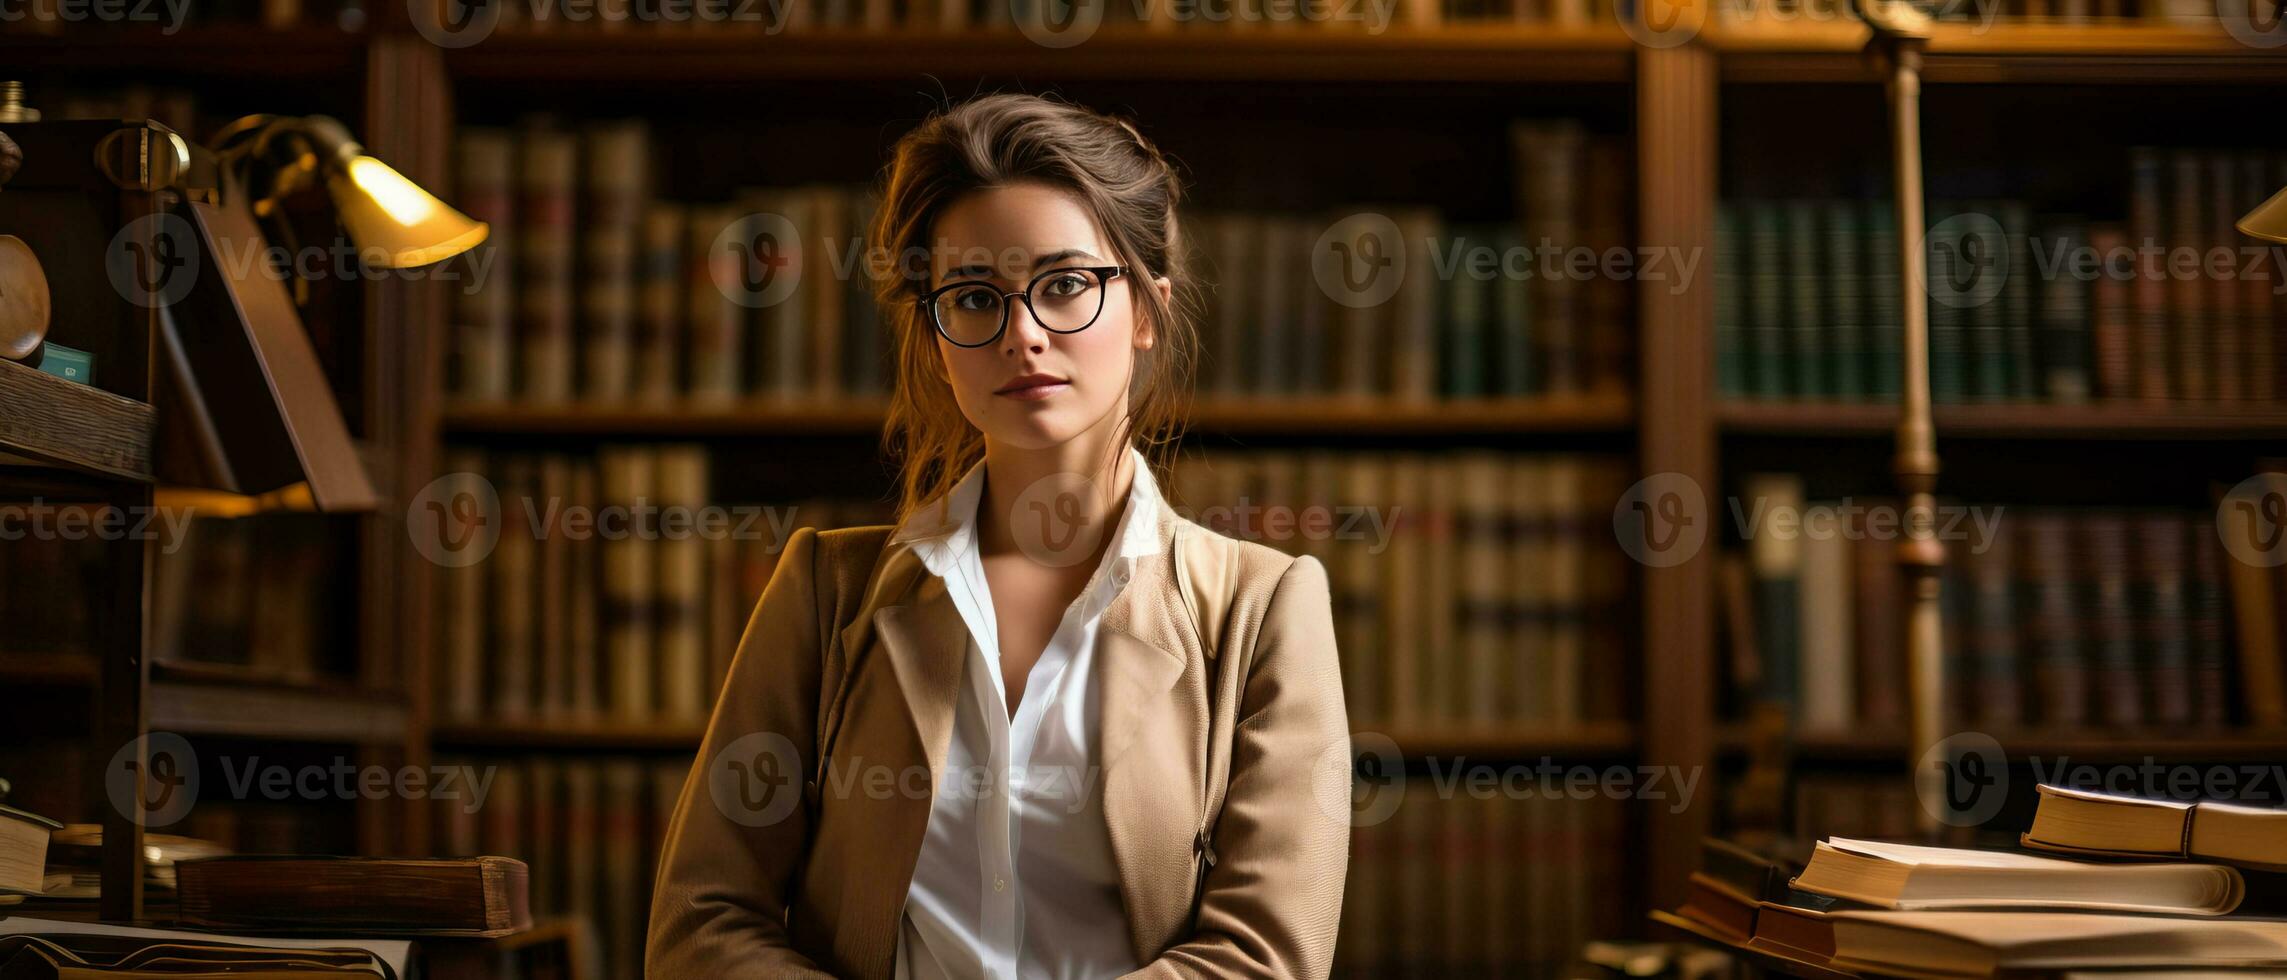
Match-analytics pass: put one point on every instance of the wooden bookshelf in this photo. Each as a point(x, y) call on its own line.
point(1302, 416)
point(1676, 422)
point(278, 712)
point(1875, 745)
point(1594, 740)
point(595, 736)
point(2096, 420)
point(72, 425)
point(2012, 51)
point(1473, 53)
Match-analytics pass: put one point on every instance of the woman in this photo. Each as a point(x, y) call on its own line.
point(1042, 727)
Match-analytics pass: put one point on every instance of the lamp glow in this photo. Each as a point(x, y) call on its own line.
point(2268, 221)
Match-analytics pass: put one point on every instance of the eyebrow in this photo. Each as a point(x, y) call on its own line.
point(1052, 257)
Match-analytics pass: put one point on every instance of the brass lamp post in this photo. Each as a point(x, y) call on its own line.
point(1901, 35)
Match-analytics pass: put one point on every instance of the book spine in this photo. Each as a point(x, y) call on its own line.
point(611, 212)
point(547, 165)
point(484, 302)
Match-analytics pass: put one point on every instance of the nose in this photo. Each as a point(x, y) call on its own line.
point(1024, 331)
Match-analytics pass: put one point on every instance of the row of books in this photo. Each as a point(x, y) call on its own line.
point(1330, 304)
point(631, 622)
point(591, 287)
point(2058, 618)
point(1471, 589)
point(351, 16)
point(590, 829)
point(1884, 908)
point(265, 594)
point(2171, 305)
point(1457, 885)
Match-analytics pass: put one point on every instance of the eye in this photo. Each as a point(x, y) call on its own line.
point(975, 299)
point(1068, 284)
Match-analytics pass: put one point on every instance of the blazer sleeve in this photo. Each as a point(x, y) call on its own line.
point(1273, 898)
point(728, 868)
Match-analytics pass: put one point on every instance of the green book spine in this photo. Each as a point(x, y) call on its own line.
point(1947, 359)
point(2061, 345)
point(2017, 302)
point(1885, 303)
point(1463, 319)
point(1513, 330)
point(1766, 303)
point(1806, 316)
point(1845, 301)
point(1730, 305)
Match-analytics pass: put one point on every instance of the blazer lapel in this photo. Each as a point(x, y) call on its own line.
point(913, 620)
point(1142, 649)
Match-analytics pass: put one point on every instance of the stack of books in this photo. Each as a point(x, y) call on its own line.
point(2151, 884)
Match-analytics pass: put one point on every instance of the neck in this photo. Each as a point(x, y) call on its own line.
point(1080, 485)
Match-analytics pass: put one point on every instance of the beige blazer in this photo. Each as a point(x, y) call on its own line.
point(1220, 686)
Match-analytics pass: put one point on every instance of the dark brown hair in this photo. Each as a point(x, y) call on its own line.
point(1126, 184)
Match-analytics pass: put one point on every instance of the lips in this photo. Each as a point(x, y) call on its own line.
point(1032, 387)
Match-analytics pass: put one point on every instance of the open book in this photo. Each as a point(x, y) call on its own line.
point(2080, 822)
point(1906, 876)
point(1983, 943)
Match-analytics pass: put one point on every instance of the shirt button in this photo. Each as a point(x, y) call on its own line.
point(1000, 884)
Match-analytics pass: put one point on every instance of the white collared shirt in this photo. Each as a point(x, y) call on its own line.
point(1015, 878)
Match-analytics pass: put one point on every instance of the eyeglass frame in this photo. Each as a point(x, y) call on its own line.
point(927, 302)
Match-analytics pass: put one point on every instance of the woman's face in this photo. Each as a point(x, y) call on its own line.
point(1032, 388)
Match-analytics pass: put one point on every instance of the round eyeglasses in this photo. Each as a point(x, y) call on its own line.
point(974, 314)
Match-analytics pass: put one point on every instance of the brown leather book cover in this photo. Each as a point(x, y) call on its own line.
point(477, 896)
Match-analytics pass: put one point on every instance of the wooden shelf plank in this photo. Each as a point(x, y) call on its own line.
point(2094, 420)
point(1304, 416)
point(1595, 739)
point(234, 51)
point(75, 426)
point(1600, 739)
point(595, 736)
point(2096, 747)
point(1489, 52)
point(2010, 51)
point(277, 713)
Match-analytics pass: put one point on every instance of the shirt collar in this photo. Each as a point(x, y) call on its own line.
point(945, 527)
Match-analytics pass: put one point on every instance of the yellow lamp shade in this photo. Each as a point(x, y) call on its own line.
point(2268, 221)
point(382, 210)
